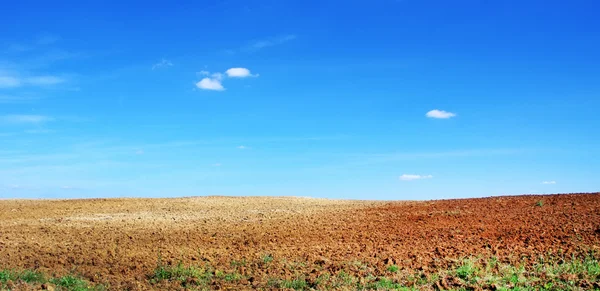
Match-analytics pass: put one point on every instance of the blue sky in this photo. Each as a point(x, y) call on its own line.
point(339, 99)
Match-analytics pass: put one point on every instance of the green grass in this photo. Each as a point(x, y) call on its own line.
point(30, 276)
point(70, 282)
point(386, 284)
point(6, 275)
point(393, 268)
point(232, 277)
point(296, 284)
point(467, 271)
point(35, 278)
point(239, 263)
point(550, 272)
point(185, 275)
point(540, 203)
point(267, 258)
point(27, 276)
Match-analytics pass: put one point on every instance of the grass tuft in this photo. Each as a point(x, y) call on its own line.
point(30, 276)
point(267, 258)
point(185, 275)
point(70, 282)
point(297, 284)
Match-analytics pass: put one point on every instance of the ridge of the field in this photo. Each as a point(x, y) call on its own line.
point(119, 242)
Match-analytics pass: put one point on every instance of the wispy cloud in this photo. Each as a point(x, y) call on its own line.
point(39, 131)
point(217, 165)
point(44, 80)
point(31, 63)
point(440, 114)
point(399, 156)
point(25, 119)
point(9, 82)
point(11, 99)
point(549, 182)
point(412, 177)
point(164, 63)
point(14, 82)
point(39, 41)
point(352, 160)
point(264, 43)
point(242, 147)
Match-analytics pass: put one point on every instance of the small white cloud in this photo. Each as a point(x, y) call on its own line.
point(217, 165)
point(23, 118)
point(440, 114)
point(139, 152)
point(210, 84)
point(549, 182)
point(162, 64)
point(213, 81)
point(44, 80)
point(242, 147)
point(239, 73)
point(411, 177)
point(9, 82)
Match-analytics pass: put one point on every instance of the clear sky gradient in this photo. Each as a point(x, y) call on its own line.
point(339, 99)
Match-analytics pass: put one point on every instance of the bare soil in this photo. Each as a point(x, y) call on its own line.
point(118, 242)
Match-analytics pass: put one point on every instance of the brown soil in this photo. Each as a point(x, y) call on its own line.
point(118, 241)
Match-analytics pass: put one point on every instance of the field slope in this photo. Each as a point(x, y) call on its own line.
point(539, 242)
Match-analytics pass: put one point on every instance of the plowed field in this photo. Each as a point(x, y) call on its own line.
point(260, 242)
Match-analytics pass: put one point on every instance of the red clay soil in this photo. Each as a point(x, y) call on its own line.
point(118, 241)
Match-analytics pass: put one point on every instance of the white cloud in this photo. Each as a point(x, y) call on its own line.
point(549, 182)
point(217, 165)
point(44, 80)
point(9, 82)
point(162, 64)
point(242, 147)
point(210, 84)
point(139, 152)
point(440, 114)
point(239, 73)
point(24, 118)
point(411, 177)
point(213, 81)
